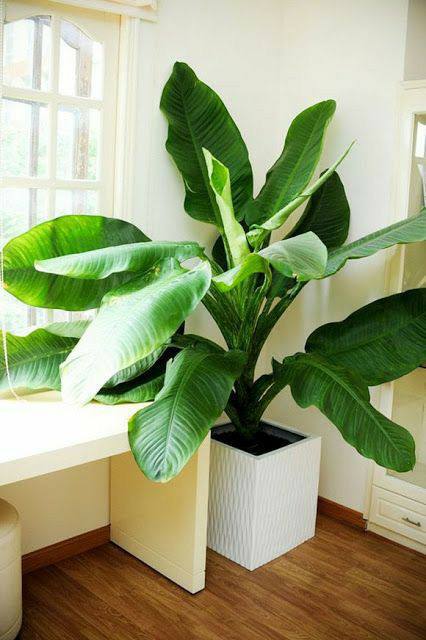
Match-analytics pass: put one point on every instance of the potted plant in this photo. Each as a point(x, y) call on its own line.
point(132, 351)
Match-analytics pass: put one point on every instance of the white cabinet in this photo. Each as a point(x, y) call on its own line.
point(397, 506)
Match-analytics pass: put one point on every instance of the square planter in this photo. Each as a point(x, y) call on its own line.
point(261, 506)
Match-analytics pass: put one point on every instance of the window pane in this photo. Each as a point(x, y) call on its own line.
point(22, 209)
point(78, 143)
point(76, 201)
point(420, 151)
point(24, 138)
point(26, 53)
point(80, 65)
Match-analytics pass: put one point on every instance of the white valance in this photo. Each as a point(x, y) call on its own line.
point(134, 8)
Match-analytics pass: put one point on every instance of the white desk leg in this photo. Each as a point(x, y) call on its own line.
point(164, 525)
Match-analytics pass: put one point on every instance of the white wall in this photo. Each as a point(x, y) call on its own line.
point(415, 53)
point(268, 60)
point(60, 505)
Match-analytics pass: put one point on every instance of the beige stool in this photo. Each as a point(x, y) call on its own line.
point(10, 572)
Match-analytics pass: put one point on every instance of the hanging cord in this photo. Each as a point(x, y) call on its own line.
point(2, 238)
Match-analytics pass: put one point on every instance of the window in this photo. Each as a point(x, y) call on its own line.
point(59, 95)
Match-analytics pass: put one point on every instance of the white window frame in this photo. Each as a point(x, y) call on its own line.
point(117, 177)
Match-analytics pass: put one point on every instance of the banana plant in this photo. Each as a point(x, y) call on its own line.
point(134, 350)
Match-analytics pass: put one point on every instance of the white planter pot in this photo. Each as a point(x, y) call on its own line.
point(262, 506)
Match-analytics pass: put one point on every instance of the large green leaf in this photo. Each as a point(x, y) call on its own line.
point(221, 186)
point(64, 235)
point(327, 214)
point(303, 257)
point(411, 229)
point(253, 263)
point(133, 321)
point(133, 258)
point(198, 118)
point(257, 235)
point(296, 165)
point(381, 342)
point(137, 390)
point(34, 359)
point(196, 389)
point(344, 399)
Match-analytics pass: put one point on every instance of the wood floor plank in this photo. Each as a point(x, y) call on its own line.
point(341, 585)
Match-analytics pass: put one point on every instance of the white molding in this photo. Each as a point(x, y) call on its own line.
point(126, 118)
point(147, 10)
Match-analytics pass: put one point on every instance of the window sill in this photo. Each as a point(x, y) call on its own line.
point(42, 434)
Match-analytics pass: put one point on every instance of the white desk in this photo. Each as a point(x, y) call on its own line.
point(164, 525)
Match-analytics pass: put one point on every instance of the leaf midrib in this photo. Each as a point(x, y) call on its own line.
point(363, 404)
point(376, 339)
point(297, 165)
point(188, 372)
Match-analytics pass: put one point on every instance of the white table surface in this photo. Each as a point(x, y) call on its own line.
point(40, 434)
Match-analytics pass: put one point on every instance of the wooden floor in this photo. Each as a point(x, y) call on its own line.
point(343, 584)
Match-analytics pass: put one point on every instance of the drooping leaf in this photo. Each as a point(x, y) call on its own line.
point(221, 186)
point(411, 229)
point(136, 390)
point(34, 359)
point(295, 167)
point(327, 214)
point(72, 329)
point(165, 435)
point(380, 342)
point(253, 263)
point(303, 257)
point(343, 398)
point(198, 118)
point(258, 233)
point(133, 258)
point(133, 321)
point(64, 235)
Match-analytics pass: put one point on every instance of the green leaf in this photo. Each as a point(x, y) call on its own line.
point(198, 118)
point(253, 263)
point(257, 235)
point(73, 329)
point(295, 167)
point(344, 399)
point(135, 392)
point(64, 235)
point(303, 257)
point(380, 342)
point(133, 258)
point(165, 435)
point(133, 321)
point(219, 253)
point(327, 214)
point(411, 229)
point(34, 359)
point(221, 186)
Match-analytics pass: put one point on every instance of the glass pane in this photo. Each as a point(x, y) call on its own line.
point(26, 53)
point(78, 143)
point(22, 209)
point(80, 65)
point(409, 409)
point(76, 201)
point(24, 138)
point(420, 151)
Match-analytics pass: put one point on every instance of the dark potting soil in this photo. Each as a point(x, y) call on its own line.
point(268, 438)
